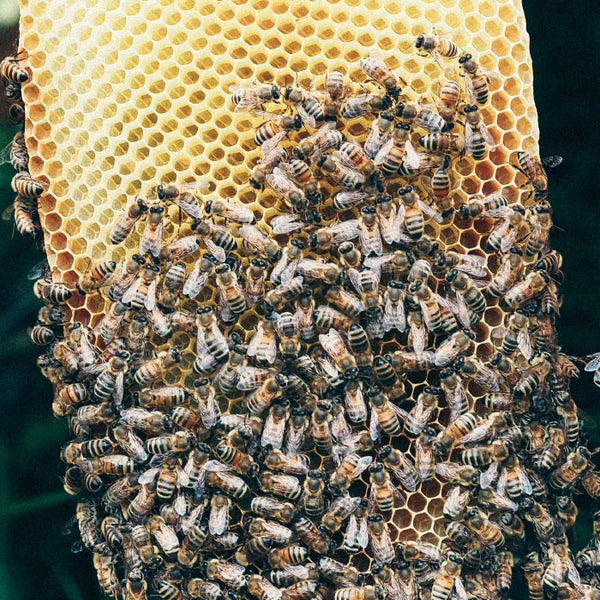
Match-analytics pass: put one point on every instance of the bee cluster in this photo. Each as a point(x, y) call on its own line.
point(338, 376)
point(27, 188)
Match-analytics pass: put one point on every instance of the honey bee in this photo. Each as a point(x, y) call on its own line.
point(182, 195)
point(252, 96)
point(477, 136)
point(136, 586)
point(334, 346)
point(384, 414)
point(383, 494)
point(424, 457)
point(306, 104)
point(231, 574)
point(414, 211)
point(316, 269)
point(380, 541)
point(533, 169)
point(376, 69)
point(263, 344)
point(323, 238)
point(571, 470)
point(412, 361)
point(283, 185)
point(541, 222)
point(53, 293)
point(341, 170)
point(157, 367)
point(477, 79)
point(381, 131)
point(323, 139)
point(271, 389)
point(142, 293)
point(274, 427)
point(478, 372)
point(285, 268)
point(263, 589)
point(508, 274)
point(312, 496)
point(28, 187)
point(218, 239)
point(397, 151)
point(436, 46)
point(275, 128)
point(11, 69)
point(268, 161)
point(445, 142)
point(105, 571)
point(362, 104)
point(449, 97)
point(260, 242)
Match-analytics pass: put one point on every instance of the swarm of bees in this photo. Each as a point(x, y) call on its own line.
point(279, 463)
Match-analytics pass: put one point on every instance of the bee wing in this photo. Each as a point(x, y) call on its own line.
point(491, 76)
point(347, 197)
point(188, 204)
point(525, 483)
point(473, 267)
point(374, 425)
point(150, 300)
point(332, 343)
point(487, 135)
point(488, 476)
point(502, 479)
point(328, 367)
point(463, 313)
point(418, 336)
point(149, 476)
point(481, 432)
point(280, 267)
point(218, 252)
point(426, 315)
point(217, 520)
point(383, 151)
point(470, 90)
point(363, 534)
point(508, 240)
point(285, 224)
point(201, 346)
point(151, 239)
point(255, 341)
point(412, 159)
point(270, 144)
point(354, 276)
point(551, 161)
point(525, 346)
point(351, 535)
point(594, 363)
point(294, 440)
point(290, 271)
point(469, 131)
point(459, 589)
point(339, 428)
point(132, 290)
point(431, 212)
point(307, 119)
point(195, 282)
point(345, 231)
point(394, 317)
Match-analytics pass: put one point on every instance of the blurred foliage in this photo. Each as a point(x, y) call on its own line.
point(33, 507)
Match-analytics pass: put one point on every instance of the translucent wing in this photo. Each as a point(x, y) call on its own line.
point(285, 224)
point(218, 252)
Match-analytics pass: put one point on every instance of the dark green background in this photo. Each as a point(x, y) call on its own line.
point(35, 558)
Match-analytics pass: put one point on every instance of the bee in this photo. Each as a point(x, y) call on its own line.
point(11, 69)
point(340, 509)
point(306, 104)
point(323, 139)
point(469, 297)
point(268, 161)
point(263, 589)
point(452, 143)
point(126, 221)
point(571, 470)
point(397, 151)
point(477, 79)
point(457, 429)
point(231, 574)
point(477, 136)
point(263, 344)
point(252, 96)
point(321, 429)
point(383, 494)
point(142, 293)
point(478, 372)
point(217, 238)
point(325, 237)
point(312, 496)
point(493, 205)
point(381, 131)
point(111, 464)
point(341, 170)
point(508, 274)
point(362, 104)
point(274, 427)
point(151, 240)
point(532, 568)
point(135, 585)
point(456, 502)
point(157, 367)
point(380, 541)
point(302, 173)
point(275, 128)
point(283, 185)
point(105, 571)
point(412, 361)
point(414, 211)
point(334, 346)
point(401, 467)
point(533, 169)
point(421, 413)
point(28, 187)
point(309, 535)
point(143, 420)
point(53, 293)
point(110, 323)
point(410, 113)
point(16, 153)
point(375, 68)
point(204, 590)
point(436, 46)
point(449, 97)
point(260, 242)
point(541, 222)
point(180, 441)
point(483, 528)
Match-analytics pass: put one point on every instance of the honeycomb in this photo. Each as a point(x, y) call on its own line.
point(124, 97)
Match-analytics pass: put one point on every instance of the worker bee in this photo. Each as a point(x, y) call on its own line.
point(312, 496)
point(351, 467)
point(11, 69)
point(493, 205)
point(376, 69)
point(306, 104)
point(477, 79)
point(541, 221)
point(362, 104)
point(142, 292)
point(397, 151)
point(341, 170)
point(275, 128)
point(380, 541)
point(335, 347)
point(263, 344)
point(436, 46)
point(571, 470)
point(449, 97)
point(231, 574)
point(130, 443)
point(533, 169)
point(263, 589)
point(383, 494)
point(414, 211)
point(452, 143)
point(477, 136)
point(324, 138)
point(157, 366)
point(260, 242)
point(381, 131)
point(28, 187)
point(274, 427)
point(251, 96)
point(182, 195)
point(533, 285)
point(508, 274)
point(283, 185)
point(325, 237)
point(384, 414)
